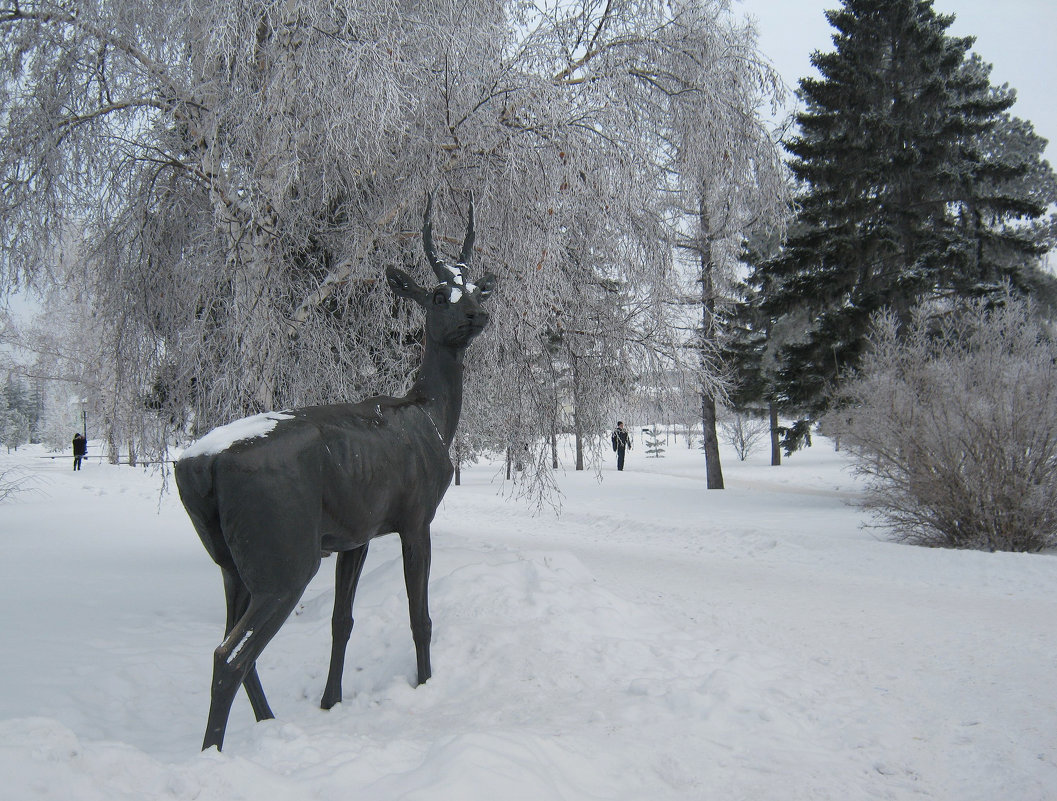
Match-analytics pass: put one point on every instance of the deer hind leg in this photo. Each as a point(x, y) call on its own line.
point(238, 601)
point(416, 549)
point(234, 659)
point(346, 577)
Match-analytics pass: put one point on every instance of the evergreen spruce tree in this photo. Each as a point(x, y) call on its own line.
point(753, 337)
point(914, 185)
point(1006, 191)
point(654, 443)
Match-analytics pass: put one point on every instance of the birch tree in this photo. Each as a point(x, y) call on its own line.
point(237, 174)
point(727, 175)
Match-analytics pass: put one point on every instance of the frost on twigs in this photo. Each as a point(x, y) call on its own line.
point(951, 422)
point(12, 481)
point(219, 187)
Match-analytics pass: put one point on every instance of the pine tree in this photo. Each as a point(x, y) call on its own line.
point(1006, 192)
point(914, 186)
point(753, 337)
point(654, 443)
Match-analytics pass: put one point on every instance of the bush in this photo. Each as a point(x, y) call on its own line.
point(12, 481)
point(954, 427)
point(745, 434)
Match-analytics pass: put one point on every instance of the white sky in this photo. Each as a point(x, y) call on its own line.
point(1015, 36)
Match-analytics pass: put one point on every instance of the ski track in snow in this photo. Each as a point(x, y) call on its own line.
point(657, 640)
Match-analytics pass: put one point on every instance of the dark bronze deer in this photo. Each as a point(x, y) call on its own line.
point(268, 494)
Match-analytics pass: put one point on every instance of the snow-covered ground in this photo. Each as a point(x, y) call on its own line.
point(656, 641)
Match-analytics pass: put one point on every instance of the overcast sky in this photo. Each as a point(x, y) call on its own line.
point(1015, 36)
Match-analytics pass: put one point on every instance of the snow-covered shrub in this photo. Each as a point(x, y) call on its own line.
point(955, 427)
point(14, 480)
point(745, 434)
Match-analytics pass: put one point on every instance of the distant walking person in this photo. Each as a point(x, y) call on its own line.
point(621, 442)
point(80, 450)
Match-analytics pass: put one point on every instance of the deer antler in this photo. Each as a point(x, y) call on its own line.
point(444, 271)
point(427, 242)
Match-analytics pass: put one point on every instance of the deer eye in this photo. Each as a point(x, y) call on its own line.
point(440, 298)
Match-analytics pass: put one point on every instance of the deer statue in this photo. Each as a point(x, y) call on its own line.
point(269, 494)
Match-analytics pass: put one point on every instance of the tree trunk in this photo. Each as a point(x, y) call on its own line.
point(709, 331)
point(713, 469)
point(578, 428)
point(113, 451)
point(457, 463)
point(776, 442)
point(554, 450)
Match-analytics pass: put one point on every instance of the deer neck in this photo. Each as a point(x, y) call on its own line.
point(439, 387)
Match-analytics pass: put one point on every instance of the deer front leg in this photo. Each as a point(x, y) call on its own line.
point(346, 577)
point(416, 549)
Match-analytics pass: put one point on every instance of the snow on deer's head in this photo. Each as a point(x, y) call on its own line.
point(454, 314)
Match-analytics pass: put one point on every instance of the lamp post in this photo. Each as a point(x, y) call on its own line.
point(84, 418)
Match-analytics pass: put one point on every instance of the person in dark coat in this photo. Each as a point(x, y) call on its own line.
point(80, 449)
point(621, 442)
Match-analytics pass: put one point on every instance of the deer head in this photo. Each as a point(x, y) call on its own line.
point(454, 314)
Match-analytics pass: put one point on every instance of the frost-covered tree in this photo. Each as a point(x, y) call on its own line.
point(20, 412)
point(729, 184)
point(231, 179)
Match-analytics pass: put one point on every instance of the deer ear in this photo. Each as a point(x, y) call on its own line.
point(404, 285)
point(487, 285)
